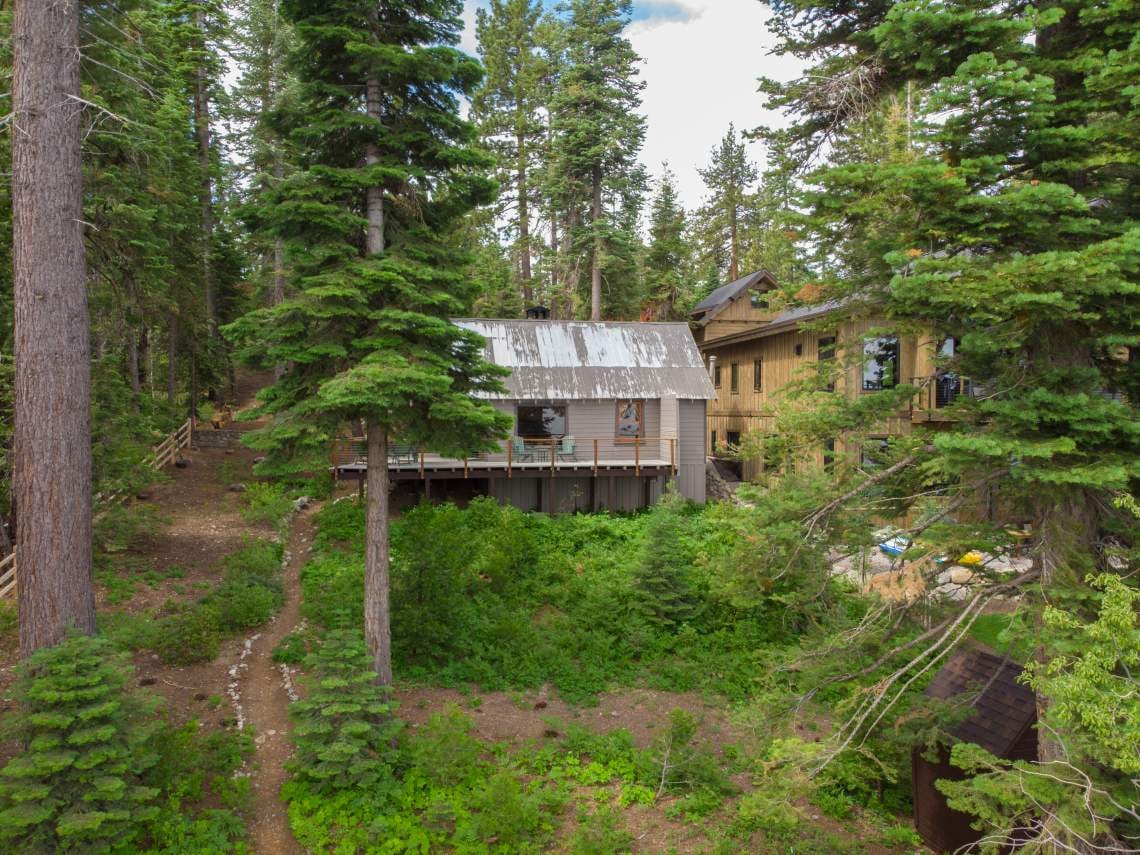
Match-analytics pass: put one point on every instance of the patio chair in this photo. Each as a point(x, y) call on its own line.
point(566, 448)
point(519, 450)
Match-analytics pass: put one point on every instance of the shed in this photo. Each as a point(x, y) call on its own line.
point(1002, 721)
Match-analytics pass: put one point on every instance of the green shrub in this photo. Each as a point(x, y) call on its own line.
point(512, 815)
point(445, 751)
point(341, 523)
point(259, 558)
point(266, 503)
point(188, 636)
point(242, 604)
point(292, 649)
point(601, 833)
point(344, 726)
point(678, 765)
point(88, 743)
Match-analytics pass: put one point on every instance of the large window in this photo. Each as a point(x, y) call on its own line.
point(880, 363)
point(542, 420)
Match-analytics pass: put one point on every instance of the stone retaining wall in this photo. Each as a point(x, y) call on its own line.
point(210, 438)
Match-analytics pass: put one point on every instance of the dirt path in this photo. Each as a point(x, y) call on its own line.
point(264, 689)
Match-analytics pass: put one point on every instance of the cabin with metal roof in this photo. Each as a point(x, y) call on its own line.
point(606, 414)
point(1001, 718)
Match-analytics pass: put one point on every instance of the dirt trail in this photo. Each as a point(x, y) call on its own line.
point(264, 688)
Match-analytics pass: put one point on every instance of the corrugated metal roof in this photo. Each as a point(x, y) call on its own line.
point(576, 360)
point(723, 295)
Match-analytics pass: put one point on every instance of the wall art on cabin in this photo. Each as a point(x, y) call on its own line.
point(629, 419)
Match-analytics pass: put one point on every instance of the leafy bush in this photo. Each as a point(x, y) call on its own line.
point(188, 636)
point(259, 558)
point(511, 814)
point(600, 833)
point(89, 742)
point(242, 604)
point(266, 503)
point(679, 765)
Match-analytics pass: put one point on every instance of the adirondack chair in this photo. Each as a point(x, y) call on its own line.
point(566, 448)
point(519, 451)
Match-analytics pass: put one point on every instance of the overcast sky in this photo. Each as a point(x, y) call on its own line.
point(702, 59)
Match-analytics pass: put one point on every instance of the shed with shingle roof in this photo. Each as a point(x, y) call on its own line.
point(1002, 720)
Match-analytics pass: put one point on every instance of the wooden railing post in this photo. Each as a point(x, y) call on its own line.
point(673, 454)
point(421, 463)
point(466, 470)
point(553, 454)
point(637, 455)
point(510, 455)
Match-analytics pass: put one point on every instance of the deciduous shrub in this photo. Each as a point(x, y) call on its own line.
point(89, 741)
point(188, 636)
point(266, 503)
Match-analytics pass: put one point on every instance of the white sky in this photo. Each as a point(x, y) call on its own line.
point(702, 59)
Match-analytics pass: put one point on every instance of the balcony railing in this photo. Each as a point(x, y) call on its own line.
point(937, 392)
point(530, 455)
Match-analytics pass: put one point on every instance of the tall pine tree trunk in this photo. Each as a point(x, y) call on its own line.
point(52, 447)
point(377, 618)
point(202, 134)
point(596, 262)
point(172, 359)
point(133, 369)
point(524, 223)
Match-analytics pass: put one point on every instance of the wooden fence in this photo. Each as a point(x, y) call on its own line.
point(160, 456)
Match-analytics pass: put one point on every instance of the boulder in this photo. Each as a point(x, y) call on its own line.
point(236, 488)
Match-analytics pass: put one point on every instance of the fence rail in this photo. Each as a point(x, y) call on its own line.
point(160, 456)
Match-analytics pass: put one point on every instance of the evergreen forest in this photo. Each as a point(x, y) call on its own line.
point(235, 236)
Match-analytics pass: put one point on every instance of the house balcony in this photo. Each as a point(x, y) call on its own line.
point(936, 394)
point(518, 457)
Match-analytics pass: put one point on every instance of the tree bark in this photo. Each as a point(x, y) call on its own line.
point(377, 617)
point(596, 263)
point(202, 133)
point(375, 200)
point(52, 446)
point(172, 360)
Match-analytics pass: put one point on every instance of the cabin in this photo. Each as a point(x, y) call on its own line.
point(605, 416)
point(1001, 717)
point(754, 345)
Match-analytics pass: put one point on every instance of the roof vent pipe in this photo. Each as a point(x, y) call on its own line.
point(712, 367)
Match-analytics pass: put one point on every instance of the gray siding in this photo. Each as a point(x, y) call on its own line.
point(691, 474)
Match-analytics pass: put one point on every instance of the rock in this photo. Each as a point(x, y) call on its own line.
point(236, 488)
point(963, 576)
point(181, 463)
point(229, 451)
point(142, 495)
point(301, 503)
point(259, 459)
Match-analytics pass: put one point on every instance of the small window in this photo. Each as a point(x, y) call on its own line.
point(630, 420)
point(734, 377)
point(758, 375)
point(880, 364)
point(712, 442)
point(827, 354)
point(540, 421)
point(799, 349)
point(829, 455)
point(758, 299)
point(716, 376)
point(733, 439)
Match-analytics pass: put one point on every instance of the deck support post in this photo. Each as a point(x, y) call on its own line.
point(637, 456)
point(510, 453)
point(595, 457)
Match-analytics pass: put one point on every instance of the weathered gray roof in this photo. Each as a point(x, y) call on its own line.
point(725, 294)
point(569, 360)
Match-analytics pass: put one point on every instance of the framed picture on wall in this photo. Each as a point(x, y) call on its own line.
point(629, 420)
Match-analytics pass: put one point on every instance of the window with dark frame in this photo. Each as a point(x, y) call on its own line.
point(758, 375)
point(758, 299)
point(541, 420)
point(734, 377)
point(732, 437)
point(712, 443)
point(880, 363)
point(829, 455)
point(716, 376)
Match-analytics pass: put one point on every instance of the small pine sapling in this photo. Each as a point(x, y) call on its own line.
point(88, 740)
point(345, 728)
point(664, 594)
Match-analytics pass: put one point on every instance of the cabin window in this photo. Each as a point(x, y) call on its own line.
point(875, 451)
point(799, 349)
point(880, 363)
point(716, 376)
point(734, 377)
point(758, 375)
point(733, 439)
point(758, 299)
point(829, 455)
point(541, 420)
point(629, 421)
point(712, 442)
point(827, 354)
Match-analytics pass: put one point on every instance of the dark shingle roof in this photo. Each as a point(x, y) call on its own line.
point(726, 293)
point(1003, 708)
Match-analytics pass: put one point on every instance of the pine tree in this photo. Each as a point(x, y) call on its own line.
point(667, 259)
point(52, 342)
point(727, 178)
point(389, 170)
point(1014, 231)
point(597, 134)
point(508, 108)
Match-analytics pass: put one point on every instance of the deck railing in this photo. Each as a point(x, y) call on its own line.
point(527, 454)
point(936, 392)
point(160, 455)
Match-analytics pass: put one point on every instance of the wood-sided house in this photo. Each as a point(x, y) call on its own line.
point(754, 348)
point(606, 414)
